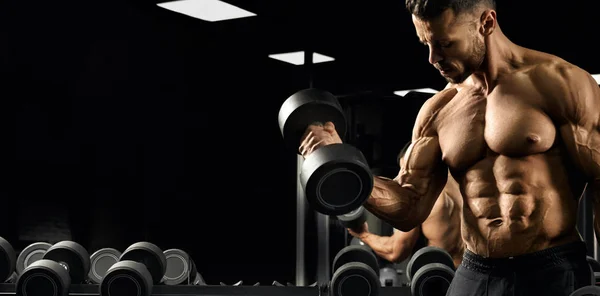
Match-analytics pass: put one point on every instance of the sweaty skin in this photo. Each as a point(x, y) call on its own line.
point(442, 229)
point(520, 136)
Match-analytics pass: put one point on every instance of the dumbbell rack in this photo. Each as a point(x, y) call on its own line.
point(92, 290)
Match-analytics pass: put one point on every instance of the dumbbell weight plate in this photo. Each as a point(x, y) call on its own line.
point(336, 179)
point(100, 262)
point(43, 277)
point(149, 255)
point(425, 256)
point(587, 291)
point(356, 253)
point(180, 268)
point(73, 257)
point(431, 280)
point(353, 219)
point(8, 259)
point(354, 279)
point(126, 278)
point(30, 254)
point(306, 107)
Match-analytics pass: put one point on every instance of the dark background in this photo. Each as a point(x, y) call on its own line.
point(123, 121)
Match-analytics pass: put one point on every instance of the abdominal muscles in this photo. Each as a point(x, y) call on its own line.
point(514, 206)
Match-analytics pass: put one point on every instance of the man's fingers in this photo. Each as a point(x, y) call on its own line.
point(315, 146)
point(306, 139)
point(308, 142)
point(307, 136)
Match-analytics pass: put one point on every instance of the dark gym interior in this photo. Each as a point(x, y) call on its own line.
point(124, 121)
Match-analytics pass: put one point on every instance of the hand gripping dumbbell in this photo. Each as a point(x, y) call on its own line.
point(430, 271)
point(140, 267)
point(101, 261)
point(181, 269)
point(355, 272)
point(63, 264)
point(336, 178)
point(8, 258)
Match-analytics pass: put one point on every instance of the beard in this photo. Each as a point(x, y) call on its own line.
point(473, 62)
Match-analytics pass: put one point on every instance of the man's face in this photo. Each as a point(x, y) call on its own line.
point(456, 48)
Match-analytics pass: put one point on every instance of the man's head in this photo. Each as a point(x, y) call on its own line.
point(454, 31)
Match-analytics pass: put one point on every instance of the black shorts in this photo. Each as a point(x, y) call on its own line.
point(556, 271)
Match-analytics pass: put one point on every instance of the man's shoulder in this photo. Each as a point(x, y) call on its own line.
point(430, 109)
point(439, 100)
point(555, 72)
point(567, 88)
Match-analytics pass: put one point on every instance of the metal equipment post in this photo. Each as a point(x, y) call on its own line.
point(301, 206)
point(308, 66)
point(323, 269)
point(300, 228)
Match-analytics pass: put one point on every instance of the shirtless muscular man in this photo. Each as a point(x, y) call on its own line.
point(519, 131)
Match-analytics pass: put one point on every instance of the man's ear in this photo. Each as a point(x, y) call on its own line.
point(488, 22)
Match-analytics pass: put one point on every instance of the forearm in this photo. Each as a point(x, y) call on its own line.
point(385, 247)
point(404, 207)
point(393, 204)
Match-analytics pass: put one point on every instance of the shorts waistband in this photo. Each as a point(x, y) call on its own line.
point(537, 260)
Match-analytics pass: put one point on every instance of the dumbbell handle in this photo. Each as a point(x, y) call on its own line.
point(64, 265)
point(356, 227)
point(353, 220)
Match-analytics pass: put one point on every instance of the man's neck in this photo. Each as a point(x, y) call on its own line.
point(500, 59)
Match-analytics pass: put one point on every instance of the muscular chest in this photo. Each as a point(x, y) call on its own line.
point(509, 121)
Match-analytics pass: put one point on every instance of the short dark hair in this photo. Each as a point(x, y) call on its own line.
point(430, 9)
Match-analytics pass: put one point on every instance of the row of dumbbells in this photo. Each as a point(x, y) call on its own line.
point(356, 272)
point(49, 269)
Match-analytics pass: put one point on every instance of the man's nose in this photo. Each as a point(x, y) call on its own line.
point(434, 56)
